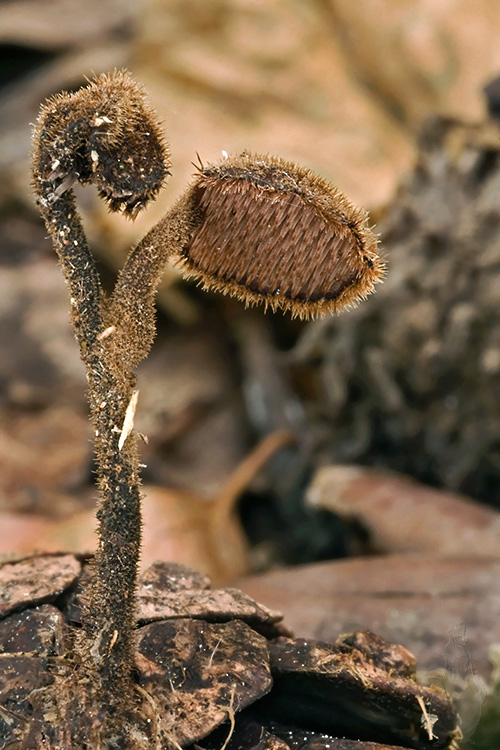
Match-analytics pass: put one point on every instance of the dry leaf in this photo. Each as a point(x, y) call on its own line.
point(401, 515)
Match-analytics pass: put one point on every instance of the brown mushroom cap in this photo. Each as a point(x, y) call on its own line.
point(268, 231)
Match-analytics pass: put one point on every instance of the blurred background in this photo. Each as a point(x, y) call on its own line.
point(386, 99)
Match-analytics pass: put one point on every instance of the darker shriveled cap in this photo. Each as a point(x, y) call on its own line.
point(105, 134)
point(268, 231)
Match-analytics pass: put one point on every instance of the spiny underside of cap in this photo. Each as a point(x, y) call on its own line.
point(267, 231)
point(105, 134)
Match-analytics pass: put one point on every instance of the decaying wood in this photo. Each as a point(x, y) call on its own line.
point(35, 580)
point(446, 611)
point(359, 676)
point(203, 669)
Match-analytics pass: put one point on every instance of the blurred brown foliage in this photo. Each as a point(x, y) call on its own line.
point(338, 86)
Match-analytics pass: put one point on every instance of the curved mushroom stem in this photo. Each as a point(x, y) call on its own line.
point(78, 137)
point(132, 304)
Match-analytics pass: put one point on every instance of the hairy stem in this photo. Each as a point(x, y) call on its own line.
point(78, 266)
point(133, 301)
point(109, 622)
point(110, 609)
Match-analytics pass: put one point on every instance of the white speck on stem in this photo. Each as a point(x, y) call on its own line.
point(107, 332)
point(94, 651)
point(128, 422)
point(100, 120)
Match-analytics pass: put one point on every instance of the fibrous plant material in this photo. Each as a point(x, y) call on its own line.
point(253, 226)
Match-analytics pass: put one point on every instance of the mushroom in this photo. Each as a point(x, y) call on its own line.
point(256, 227)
